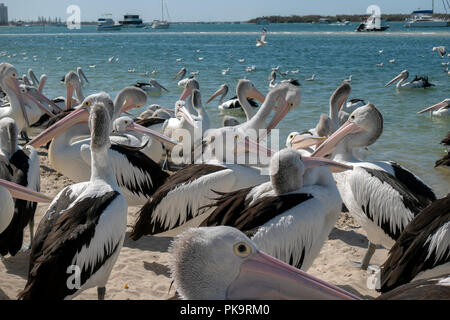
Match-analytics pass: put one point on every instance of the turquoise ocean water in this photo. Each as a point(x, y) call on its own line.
point(331, 52)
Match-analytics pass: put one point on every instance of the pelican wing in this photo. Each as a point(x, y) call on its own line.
point(61, 239)
point(423, 245)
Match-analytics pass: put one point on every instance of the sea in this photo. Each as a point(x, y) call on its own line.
point(332, 52)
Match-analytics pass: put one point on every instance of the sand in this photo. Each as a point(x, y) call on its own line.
point(142, 273)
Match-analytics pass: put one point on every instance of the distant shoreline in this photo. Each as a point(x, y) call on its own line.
point(270, 19)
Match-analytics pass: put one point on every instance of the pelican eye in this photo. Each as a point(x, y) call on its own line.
point(352, 117)
point(87, 103)
point(291, 104)
point(291, 136)
point(242, 249)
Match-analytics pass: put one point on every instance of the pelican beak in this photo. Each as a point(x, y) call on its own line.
point(215, 95)
point(256, 148)
point(168, 110)
point(436, 106)
point(69, 97)
point(160, 137)
point(42, 83)
point(39, 96)
point(13, 83)
point(81, 114)
point(330, 144)
point(181, 72)
point(183, 112)
point(302, 141)
point(264, 277)
point(256, 94)
point(128, 105)
point(22, 193)
point(40, 106)
point(311, 162)
point(83, 75)
point(393, 80)
point(280, 113)
point(161, 86)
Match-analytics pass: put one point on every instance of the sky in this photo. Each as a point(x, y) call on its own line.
point(207, 10)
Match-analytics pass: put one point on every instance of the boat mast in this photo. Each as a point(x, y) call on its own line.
point(162, 9)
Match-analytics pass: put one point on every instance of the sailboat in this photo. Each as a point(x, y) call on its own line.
point(161, 24)
point(424, 18)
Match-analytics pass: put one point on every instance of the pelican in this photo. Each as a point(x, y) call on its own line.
point(153, 87)
point(272, 78)
point(81, 76)
point(289, 217)
point(382, 196)
point(262, 42)
point(83, 230)
point(445, 161)
point(417, 82)
point(136, 174)
point(223, 263)
point(441, 50)
point(304, 140)
point(181, 74)
point(21, 166)
point(422, 250)
point(441, 109)
point(233, 106)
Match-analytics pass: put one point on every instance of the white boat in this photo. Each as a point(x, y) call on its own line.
point(132, 21)
point(424, 19)
point(161, 24)
point(107, 24)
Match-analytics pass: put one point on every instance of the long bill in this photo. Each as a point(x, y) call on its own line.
point(434, 107)
point(331, 143)
point(158, 136)
point(20, 192)
point(216, 94)
point(264, 277)
point(39, 96)
point(256, 94)
point(281, 112)
point(181, 72)
point(79, 115)
point(312, 162)
point(184, 113)
point(13, 83)
point(302, 141)
point(393, 80)
point(39, 105)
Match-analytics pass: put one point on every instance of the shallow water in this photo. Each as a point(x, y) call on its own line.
point(330, 52)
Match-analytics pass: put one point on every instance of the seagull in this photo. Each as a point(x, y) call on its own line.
point(200, 59)
point(179, 59)
point(311, 79)
point(392, 60)
point(241, 60)
point(262, 42)
point(295, 71)
point(379, 64)
point(441, 50)
point(349, 79)
point(225, 71)
point(380, 51)
point(111, 59)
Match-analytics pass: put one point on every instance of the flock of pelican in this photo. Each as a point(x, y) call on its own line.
point(260, 224)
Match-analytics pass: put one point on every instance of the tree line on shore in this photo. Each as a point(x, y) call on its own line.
point(337, 18)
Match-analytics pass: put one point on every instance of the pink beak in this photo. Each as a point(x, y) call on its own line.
point(22, 193)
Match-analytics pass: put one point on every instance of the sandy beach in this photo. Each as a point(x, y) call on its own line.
point(142, 273)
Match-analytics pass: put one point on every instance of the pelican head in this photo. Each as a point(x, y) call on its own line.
point(229, 121)
point(443, 104)
point(273, 75)
point(155, 83)
point(403, 75)
point(288, 97)
point(303, 140)
point(223, 90)
point(129, 98)
point(246, 88)
point(191, 84)
point(10, 85)
point(80, 115)
point(124, 124)
point(363, 128)
point(180, 73)
point(223, 263)
point(72, 83)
